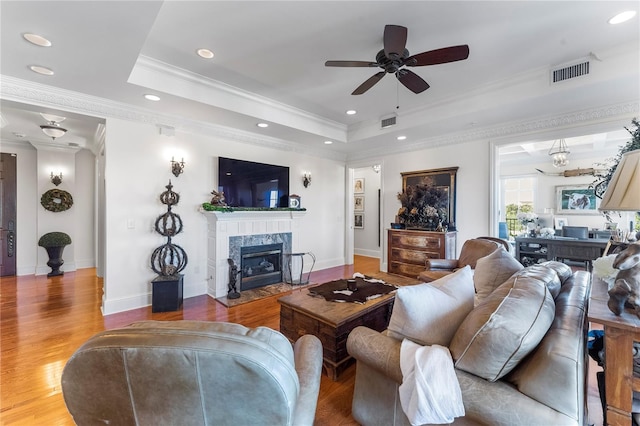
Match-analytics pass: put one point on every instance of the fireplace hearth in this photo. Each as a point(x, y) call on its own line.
point(260, 265)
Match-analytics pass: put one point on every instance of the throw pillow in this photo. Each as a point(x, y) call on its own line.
point(493, 270)
point(430, 313)
point(503, 328)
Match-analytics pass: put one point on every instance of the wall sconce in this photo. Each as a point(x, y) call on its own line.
point(177, 167)
point(376, 168)
point(306, 179)
point(56, 179)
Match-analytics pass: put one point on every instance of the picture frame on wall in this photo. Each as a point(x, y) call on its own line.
point(560, 222)
point(576, 199)
point(358, 186)
point(358, 203)
point(444, 178)
point(358, 221)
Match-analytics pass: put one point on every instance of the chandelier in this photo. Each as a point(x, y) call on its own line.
point(559, 153)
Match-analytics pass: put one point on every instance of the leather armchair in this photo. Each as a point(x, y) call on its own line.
point(193, 372)
point(471, 251)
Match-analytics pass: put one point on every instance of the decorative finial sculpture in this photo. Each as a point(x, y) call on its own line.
point(168, 259)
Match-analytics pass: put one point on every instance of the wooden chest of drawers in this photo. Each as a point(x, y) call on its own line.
point(407, 250)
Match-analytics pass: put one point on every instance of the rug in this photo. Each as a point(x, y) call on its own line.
point(366, 289)
point(247, 296)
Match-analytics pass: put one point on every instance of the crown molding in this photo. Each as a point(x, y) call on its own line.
point(221, 95)
point(23, 91)
point(593, 116)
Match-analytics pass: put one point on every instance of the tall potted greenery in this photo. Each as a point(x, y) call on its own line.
point(54, 243)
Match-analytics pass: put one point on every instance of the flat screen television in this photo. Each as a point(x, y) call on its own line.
point(249, 184)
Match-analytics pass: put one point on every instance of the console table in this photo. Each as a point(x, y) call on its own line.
point(531, 250)
point(619, 334)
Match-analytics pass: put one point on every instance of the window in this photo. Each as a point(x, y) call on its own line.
point(517, 195)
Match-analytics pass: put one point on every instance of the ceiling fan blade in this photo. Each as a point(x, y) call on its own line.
point(439, 56)
point(350, 64)
point(395, 39)
point(369, 83)
point(412, 81)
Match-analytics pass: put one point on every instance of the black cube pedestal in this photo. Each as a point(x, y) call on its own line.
point(167, 293)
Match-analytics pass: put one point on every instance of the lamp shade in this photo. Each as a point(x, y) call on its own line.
point(623, 191)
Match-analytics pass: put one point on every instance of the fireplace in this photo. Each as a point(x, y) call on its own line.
point(260, 265)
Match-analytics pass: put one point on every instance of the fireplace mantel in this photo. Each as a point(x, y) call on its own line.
point(223, 225)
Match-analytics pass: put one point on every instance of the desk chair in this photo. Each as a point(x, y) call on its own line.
point(580, 232)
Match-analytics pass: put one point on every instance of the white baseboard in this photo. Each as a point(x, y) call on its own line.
point(367, 253)
point(113, 306)
point(67, 267)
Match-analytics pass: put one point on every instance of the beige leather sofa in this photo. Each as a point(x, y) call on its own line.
point(193, 373)
point(547, 387)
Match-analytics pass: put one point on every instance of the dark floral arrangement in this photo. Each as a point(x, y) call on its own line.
point(424, 206)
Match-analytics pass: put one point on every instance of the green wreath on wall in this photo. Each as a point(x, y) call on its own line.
point(56, 200)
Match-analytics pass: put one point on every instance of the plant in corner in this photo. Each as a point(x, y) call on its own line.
point(54, 243)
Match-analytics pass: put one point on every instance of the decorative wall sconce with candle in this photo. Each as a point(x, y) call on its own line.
point(306, 179)
point(177, 167)
point(56, 179)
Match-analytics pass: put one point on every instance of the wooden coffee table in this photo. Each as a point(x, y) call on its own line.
point(331, 322)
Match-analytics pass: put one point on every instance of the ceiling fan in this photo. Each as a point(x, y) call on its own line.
point(394, 56)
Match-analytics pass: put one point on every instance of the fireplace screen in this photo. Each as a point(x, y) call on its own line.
point(260, 265)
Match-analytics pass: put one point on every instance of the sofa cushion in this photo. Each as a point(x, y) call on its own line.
point(493, 270)
point(563, 270)
point(430, 313)
point(546, 274)
point(504, 327)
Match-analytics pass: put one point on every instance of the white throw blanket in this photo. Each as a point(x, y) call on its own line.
point(430, 392)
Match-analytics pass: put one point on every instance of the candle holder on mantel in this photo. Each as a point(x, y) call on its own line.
point(169, 259)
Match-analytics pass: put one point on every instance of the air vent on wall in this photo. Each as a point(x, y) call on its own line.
point(388, 121)
point(570, 71)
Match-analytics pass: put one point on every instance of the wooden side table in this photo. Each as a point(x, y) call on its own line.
point(619, 334)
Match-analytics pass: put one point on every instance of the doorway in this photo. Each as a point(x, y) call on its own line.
point(366, 211)
point(8, 209)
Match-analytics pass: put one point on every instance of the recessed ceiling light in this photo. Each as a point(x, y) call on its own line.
point(401, 138)
point(36, 39)
point(152, 98)
point(622, 17)
point(328, 142)
point(205, 53)
point(263, 125)
point(41, 70)
point(351, 112)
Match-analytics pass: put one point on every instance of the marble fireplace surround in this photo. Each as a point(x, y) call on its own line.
point(227, 232)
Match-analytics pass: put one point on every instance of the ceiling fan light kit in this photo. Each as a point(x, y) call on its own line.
point(394, 56)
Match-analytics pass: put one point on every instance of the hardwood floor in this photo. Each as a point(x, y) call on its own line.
point(44, 320)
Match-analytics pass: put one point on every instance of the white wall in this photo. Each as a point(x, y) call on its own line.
point(473, 187)
point(366, 239)
point(137, 171)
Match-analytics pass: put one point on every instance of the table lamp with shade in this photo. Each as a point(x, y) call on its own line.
point(623, 190)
